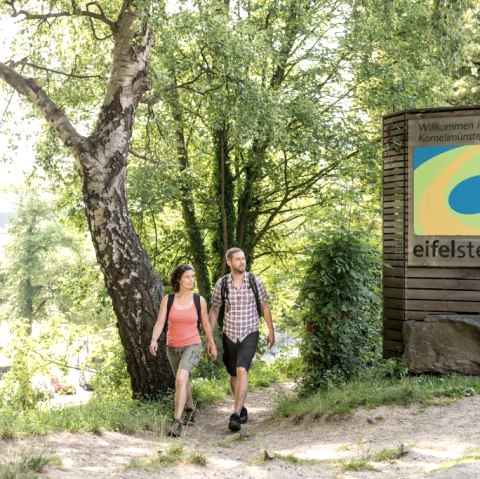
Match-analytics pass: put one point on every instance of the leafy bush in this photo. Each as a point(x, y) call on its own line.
point(340, 304)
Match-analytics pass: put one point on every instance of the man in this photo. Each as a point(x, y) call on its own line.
point(240, 327)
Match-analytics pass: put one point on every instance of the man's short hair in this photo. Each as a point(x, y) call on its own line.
point(229, 254)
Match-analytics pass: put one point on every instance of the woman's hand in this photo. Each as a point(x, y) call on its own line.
point(153, 348)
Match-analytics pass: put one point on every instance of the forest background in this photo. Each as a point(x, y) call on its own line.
point(177, 130)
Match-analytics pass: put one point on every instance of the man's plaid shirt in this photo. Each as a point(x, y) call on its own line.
point(241, 315)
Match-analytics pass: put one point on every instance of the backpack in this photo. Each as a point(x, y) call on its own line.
point(253, 286)
point(196, 300)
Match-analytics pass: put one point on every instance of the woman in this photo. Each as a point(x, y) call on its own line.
point(183, 340)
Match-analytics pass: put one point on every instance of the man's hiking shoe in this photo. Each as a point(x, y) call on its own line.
point(189, 416)
point(175, 429)
point(243, 415)
point(234, 423)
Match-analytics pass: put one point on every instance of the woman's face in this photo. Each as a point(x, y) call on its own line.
point(187, 280)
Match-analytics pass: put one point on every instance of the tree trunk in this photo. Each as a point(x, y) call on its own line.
point(132, 283)
point(224, 232)
point(195, 239)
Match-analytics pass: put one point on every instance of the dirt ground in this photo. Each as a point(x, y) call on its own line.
point(440, 442)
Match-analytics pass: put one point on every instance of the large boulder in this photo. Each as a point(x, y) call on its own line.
point(443, 343)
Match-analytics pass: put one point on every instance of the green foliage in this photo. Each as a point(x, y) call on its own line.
point(26, 465)
point(118, 413)
point(340, 305)
point(372, 389)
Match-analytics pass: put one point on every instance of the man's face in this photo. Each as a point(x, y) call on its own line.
point(238, 263)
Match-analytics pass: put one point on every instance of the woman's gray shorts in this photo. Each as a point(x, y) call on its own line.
point(186, 357)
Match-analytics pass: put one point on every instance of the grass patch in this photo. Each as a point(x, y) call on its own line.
point(27, 465)
point(172, 456)
point(473, 456)
point(356, 465)
point(295, 460)
point(371, 391)
point(388, 455)
point(117, 414)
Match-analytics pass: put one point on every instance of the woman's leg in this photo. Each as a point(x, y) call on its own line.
point(182, 387)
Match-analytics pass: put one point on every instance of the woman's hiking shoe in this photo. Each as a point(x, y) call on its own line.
point(234, 423)
point(175, 428)
point(243, 415)
point(189, 416)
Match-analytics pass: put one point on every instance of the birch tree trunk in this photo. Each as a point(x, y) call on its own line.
point(132, 283)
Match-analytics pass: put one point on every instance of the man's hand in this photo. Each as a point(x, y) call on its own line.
point(211, 350)
point(271, 339)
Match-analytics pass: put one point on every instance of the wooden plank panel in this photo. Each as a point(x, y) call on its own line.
point(443, 295)
point(394, 152)
point(395, 263)
point(391, 303)
point(389, 190)
point(393, 324)
point(396, 272)
point(393, 335)
point(398, 314)
point(443, 283)
point(392, 165)
point(393, 293)
point(397, 184)
point(393, 282)
point(391, 354)
point(392, 345)
point(457, 273)
point(415, 315)
point(394, 172)
point(437, 306)
point(393, 178)
point(394, 256)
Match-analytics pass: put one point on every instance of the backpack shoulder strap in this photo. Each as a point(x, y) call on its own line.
point(171, 297)
point(196, 300)
point(254, 286)
point(224, 289)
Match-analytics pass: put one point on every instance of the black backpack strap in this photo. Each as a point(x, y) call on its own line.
point(224, 289)
point(171, 297)
point(196, 300)
point(254, 286)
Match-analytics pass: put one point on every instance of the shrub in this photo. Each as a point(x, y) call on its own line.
point(340, 304)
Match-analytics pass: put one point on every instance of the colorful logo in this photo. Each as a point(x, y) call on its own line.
point(446, 190)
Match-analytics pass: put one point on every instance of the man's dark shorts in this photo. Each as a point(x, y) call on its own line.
point(239, 355)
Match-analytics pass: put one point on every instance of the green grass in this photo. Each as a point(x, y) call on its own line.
point(388, 455)
point(176, 454)
point(117, 414)
point(361, 464)
point(295, 460)
point(371, 391)
point(26, 466)
point(472, 456)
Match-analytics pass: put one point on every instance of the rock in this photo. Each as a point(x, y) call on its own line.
point(370, 420)
point(269, 454)
point(443, 343)
point(404, 449)
point(244, 434)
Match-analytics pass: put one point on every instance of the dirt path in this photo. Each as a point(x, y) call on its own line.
point(431, 437)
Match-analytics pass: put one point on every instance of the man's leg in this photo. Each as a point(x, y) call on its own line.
point(241, 388)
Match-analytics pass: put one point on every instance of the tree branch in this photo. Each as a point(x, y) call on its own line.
point(29, 88)
point(46, 16)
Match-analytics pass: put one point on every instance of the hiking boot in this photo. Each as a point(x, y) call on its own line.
point(189, 416)
point(243, 415)
point(175, 428)
point(234, 422)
